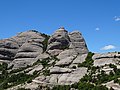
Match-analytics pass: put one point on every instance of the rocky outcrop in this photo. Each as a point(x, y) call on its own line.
point(80, 59)
point(62, 40)
point(56, 58)
point(21, 50)
point(77, 42)
point(58, 41)
point(106, 58)
point(62, 76)
point(59, 70)
point(25, 48)
point(110, 84)
point(8, 50)
point(59, 59)
point(29, 50)
point(65, 62)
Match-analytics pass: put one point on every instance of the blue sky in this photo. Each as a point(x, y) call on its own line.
point(98, 20)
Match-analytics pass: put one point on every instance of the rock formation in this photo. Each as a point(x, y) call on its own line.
point(60, 59)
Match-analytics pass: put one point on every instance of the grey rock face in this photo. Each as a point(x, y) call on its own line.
point(77, 42)
point(73, 77)
point(23, 37)
point(61, 40)
point(28, 52)
point(36, 68)
point(70, 49)
point(63, 51)
point(62, 76)
point(65, 62)
point(106, 58)
point(58, 70)
point(8, 49)
point(21, 50)
point(80, 59)
point(67, 53)
point(55, 52)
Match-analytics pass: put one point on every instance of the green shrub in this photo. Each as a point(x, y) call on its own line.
point(74, 67)
point(85, 86)
point(100, 87)
point(34, 31)
point(46, 72)
point(88, 61)
point(116, 80)
point(44, 62)
point(15, 79)
point(112, 66)
point(45, 42)
point(61, 87)
point(29, 80)
point(3, 66)
point(75, 85)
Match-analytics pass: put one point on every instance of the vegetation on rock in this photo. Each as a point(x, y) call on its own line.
point(45, 42)
point(88, 61)
point(14, 78)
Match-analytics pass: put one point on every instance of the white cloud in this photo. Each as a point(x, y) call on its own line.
point(108, 47)
point(97, 29)
point(117, 18)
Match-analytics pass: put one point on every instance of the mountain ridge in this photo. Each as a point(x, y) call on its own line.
point(61, 60)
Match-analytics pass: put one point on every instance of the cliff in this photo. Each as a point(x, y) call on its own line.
point(40, 62)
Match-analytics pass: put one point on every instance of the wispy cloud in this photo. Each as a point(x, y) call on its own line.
point(97, 29)
point(108, 47)
point(117, 18)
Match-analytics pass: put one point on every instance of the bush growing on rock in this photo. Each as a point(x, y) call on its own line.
point(88, 61)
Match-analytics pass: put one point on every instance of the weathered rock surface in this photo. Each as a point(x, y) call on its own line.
point(77, 42)
point(55, 60)
point(80, 59)
point(58, 70)
point(35, 68)
point(55, 55)
point(61, 40)
point(65, 62)
point(110, 84)
point(8, 49)
point(62, 76)
point(106, 58)
point(21, 50)
point(73, 77)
